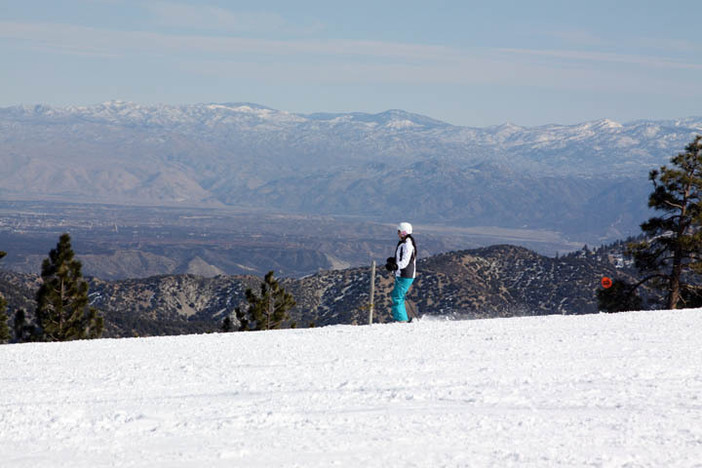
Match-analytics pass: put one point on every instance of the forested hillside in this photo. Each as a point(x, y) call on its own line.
point(498, 281)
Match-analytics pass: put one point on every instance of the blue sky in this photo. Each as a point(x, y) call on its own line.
point(529, 62)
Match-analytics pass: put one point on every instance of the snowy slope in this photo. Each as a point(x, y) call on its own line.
point(598, 390)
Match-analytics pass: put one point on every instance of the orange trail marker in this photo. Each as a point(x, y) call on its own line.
point(606, 282)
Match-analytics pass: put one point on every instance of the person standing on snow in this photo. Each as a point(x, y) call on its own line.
point(404, 264)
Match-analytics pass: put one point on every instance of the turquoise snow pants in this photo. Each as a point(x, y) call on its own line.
point(402, 285)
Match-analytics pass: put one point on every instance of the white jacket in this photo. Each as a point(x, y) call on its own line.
point(406, 259)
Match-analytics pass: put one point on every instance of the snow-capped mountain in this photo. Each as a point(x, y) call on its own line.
point(589, 177)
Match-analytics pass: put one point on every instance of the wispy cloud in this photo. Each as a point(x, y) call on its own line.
point(659, 51)
point(344, 61)
point(671, 45)
point(574, 37)
point(69, 38)
point(624, 59)
point(61, 38)
point(213, 18)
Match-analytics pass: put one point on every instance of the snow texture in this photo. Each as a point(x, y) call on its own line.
point(597, 390)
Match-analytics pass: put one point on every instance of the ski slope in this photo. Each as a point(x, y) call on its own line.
point(597, 390)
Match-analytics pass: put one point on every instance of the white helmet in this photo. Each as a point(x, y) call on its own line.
point(404, 228)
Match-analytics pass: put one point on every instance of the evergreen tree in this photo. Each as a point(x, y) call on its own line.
point(63, 310)
point(672, 251)
point(267, 311)
point(24, 331)
point(4, 327)
point(227, 324)
point(619, 297)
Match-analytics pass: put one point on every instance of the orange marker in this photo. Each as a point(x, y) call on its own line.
point(606, 282)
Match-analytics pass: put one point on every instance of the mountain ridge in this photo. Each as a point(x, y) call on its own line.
point(495, 281)
point(251, 107)
point(250, 156)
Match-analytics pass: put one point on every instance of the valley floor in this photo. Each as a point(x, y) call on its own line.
point(595, 390)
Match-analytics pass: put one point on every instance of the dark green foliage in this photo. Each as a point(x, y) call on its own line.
point(4, 327)
point(267, 311)
point(63, 310)
point(24, 331)
point(620, 297)
point(227, 325)
point(691, 295)
point(671, 255)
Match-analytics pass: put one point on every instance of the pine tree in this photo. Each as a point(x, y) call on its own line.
point(4, 327)
point(267, 311)
point(63, 310)
point(672, 250)
point(24, 331)
point(227, 325)
point(619, 297)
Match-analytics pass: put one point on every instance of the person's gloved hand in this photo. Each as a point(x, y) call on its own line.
point(390, 264)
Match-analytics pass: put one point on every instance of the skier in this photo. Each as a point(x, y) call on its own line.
point(403, 264)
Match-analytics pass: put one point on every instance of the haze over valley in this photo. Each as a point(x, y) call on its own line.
point(235, 188)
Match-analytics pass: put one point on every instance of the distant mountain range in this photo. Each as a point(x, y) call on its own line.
point(588, 181)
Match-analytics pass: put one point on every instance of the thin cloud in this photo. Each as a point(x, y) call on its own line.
point(640, 60)
point(73, 39)
point(671, 45)
point(348, 61)
point(60, 38)
point(482, 71)
point(216, 19)
point(70, 37)
point(577, 37)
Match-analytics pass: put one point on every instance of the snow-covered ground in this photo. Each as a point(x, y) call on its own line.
point(597, 390)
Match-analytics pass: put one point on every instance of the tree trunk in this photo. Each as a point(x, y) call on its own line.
point(674, 293)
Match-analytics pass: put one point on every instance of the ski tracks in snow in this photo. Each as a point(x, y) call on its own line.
point(600, 390)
